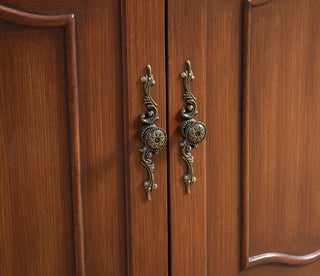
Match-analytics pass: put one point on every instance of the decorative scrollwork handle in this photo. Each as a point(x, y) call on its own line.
point(153, 137)
point(192, 131)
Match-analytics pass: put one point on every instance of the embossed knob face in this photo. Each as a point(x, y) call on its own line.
point(155, 139)
point(196, 133)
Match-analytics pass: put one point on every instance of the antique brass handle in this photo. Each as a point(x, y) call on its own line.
point(153, 137)
point(192, 131)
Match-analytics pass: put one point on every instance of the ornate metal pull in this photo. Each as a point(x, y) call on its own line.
point(153, 137)
point(192, 131)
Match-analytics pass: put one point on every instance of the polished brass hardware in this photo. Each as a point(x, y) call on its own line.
point(192, 131)
point(153, 137)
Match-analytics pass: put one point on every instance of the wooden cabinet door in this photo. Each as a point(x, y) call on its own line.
point(254, 209)
point(71, 194)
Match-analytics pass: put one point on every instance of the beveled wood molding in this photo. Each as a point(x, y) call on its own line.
point(284, 258)
point(37, 20)
point(257, 3)
point(268, 257)
point(68, 22)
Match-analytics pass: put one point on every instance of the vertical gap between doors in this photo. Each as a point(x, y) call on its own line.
point(168, 133)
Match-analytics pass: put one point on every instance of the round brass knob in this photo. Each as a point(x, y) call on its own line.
point(194, 132)
point(153, 137)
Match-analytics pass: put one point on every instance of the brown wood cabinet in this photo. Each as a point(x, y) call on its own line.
point(72, 200)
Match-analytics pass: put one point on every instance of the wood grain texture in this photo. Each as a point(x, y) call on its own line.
point(205, 227)
point(280, 131)
point(143, 42)
point(186, 37)
point(34, 122)
point(224, 112)
point(246, 74)
point(223, 70)
point(66, 21)
point(101, 129)
point(100, 106)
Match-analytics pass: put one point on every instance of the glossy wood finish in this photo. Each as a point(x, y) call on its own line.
point(186, 41)
point(143, 42)
point(34, 122)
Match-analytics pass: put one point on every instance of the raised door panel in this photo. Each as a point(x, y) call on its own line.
point(262, 211)
point(281, 119)
point(40, 200)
